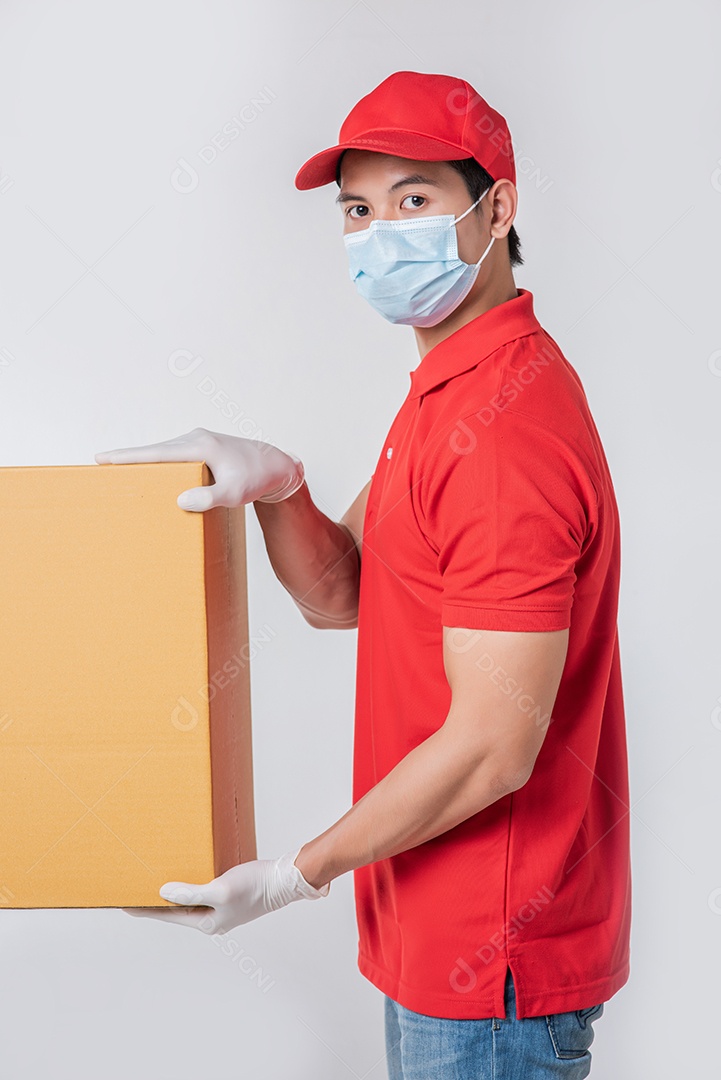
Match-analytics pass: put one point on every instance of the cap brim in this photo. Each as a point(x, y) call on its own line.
point(321, 168)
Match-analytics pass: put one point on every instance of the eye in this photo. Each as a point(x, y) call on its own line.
point(358, 206)
point(416, 206)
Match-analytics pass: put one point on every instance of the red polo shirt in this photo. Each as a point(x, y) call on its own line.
point(492, 507)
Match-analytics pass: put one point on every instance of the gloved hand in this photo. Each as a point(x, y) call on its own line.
point(244, 470)
point(238, 896)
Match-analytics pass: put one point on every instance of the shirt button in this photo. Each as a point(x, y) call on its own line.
point(389, 451)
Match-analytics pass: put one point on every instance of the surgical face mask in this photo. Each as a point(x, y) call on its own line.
point(409, 271)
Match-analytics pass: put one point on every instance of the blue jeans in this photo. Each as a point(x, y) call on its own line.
point(423, 1047)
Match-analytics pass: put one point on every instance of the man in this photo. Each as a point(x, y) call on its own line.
point(488, 834)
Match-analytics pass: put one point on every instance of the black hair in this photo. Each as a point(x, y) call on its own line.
point(478, 181)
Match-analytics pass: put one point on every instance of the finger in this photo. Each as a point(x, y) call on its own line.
point(182, 892)
point(199, 499)
point(143, 912)
point(181, 916)
point(181, 449)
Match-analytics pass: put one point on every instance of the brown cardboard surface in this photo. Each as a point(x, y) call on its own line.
point(125, 727)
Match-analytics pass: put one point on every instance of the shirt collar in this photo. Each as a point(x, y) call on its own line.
point(472, 343)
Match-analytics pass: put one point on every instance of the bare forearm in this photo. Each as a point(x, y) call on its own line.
point(437, 785)
point(313, 557)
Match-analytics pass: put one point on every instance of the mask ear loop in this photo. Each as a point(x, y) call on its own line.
point(485, 252)
point(468, 212)
point(455, 220)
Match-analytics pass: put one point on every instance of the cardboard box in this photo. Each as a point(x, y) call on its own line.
point(125, 728)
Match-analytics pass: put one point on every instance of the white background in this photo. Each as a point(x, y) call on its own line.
point(107, 269)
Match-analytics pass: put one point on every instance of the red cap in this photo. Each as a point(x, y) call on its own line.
point(425, 117)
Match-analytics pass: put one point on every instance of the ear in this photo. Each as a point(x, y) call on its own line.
point(502, 203)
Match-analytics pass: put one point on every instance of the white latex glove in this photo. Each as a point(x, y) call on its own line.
point(244, 470)
point(238, 896)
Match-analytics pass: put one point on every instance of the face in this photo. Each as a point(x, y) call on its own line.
point(393, 188)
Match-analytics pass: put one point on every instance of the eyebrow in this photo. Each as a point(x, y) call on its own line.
point(416, 178)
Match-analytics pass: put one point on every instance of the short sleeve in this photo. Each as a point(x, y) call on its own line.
point(507, 509)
